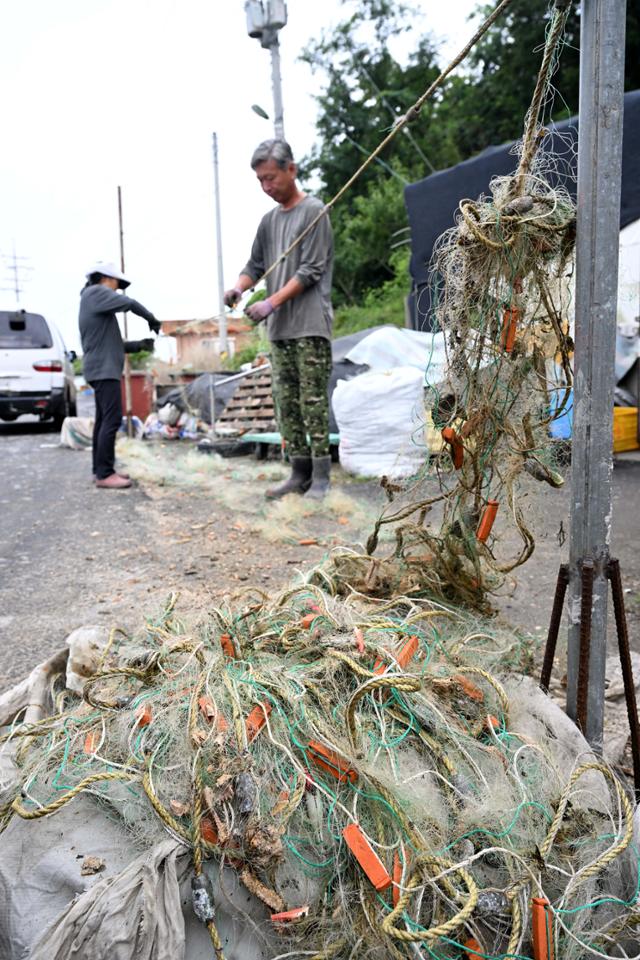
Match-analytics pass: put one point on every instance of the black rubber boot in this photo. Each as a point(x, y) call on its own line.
point(320, 478)
point(298, 482)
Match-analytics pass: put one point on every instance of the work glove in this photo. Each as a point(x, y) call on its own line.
point(260, 310)
point(231, 297)
point(154, 325)
point(135, 346)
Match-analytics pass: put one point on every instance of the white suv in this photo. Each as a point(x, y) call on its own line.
point(36, 373)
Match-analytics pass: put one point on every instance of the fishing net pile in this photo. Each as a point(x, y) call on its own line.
point(372, 773)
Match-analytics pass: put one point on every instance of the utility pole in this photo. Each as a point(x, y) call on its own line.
point(222, 317)
point(598, 231)
point(127, 365)
point(270, 42)
point(264, 19)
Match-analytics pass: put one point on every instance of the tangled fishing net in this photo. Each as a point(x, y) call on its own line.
point(359, 768)
point(499, 280)
point(232, 484)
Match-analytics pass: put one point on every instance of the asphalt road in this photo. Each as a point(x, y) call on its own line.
point(56, 531)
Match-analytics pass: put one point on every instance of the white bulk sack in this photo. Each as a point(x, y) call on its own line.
point(77, 433)
point(380, 419)
point(392, 347)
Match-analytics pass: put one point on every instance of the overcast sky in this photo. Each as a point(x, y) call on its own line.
point(98, 93)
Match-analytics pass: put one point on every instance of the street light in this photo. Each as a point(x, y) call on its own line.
point(264, 19)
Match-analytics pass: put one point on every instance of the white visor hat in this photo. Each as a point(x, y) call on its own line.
point(109, 270)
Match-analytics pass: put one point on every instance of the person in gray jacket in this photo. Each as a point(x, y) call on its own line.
point(298, 316)
point(103, 352)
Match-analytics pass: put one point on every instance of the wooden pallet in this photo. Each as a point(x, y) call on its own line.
point(250, 409)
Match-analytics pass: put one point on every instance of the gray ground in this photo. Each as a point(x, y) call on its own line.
point(72, 555)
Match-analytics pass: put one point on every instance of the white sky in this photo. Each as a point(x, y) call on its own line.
point(98, 93)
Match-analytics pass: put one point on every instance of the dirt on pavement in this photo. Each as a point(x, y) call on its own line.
point(73, 555)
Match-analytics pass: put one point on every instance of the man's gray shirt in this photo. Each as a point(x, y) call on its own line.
point(309, 314)
point(102, 344)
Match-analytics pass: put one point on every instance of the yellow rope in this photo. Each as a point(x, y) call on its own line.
point(105, 653)
point(416, 880)
point(238, 721)
point(351, 663)
point(544, 75)
point(162, 812)
point(67, 797)
point(497, 686)
point(329, 951)
point(516, 927)
point(614, 851)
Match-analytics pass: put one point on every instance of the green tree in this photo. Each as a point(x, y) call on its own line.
point(365, 93)
point(489, 106)
point(366, 90)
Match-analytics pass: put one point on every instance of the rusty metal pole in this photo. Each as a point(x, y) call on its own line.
point(598, 230)
point(127, 365)
point(554, 626)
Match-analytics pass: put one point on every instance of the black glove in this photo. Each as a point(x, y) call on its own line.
point(135, 346)
point(154, 325)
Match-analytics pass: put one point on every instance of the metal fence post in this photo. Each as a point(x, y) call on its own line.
point(598, 229)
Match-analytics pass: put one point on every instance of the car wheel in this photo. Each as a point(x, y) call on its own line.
point(73, 409)
point(58, 418)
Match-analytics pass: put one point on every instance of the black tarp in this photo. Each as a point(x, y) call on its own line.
point(432, 203)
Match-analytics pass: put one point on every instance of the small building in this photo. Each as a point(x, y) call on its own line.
point(198, 341)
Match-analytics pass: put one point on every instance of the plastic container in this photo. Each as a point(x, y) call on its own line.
point(625, 429)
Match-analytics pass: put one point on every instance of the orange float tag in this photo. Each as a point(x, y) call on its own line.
point(487, 520)
point(143, 715)
point(366, 857)
point(473, 949)
point(208, 830)
point(491, 723)
point(331, 762)
point(207, 707)
point(450, 436)
point(91, 741)
point(469, 689)
point(287, 916)
point(397, 878)
point(227, 645)
point(404, 656)
point(541, 929)
point(307, 620)
point(510, 318)
point(256, 720)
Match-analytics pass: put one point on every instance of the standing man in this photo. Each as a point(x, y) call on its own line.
point(103, 361)
point(298, 314)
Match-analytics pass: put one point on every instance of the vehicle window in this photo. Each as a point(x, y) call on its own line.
point(24, 331)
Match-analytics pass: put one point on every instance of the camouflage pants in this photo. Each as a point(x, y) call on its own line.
point(301, 370)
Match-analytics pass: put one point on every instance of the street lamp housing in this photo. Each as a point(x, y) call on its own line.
point(264, 16)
